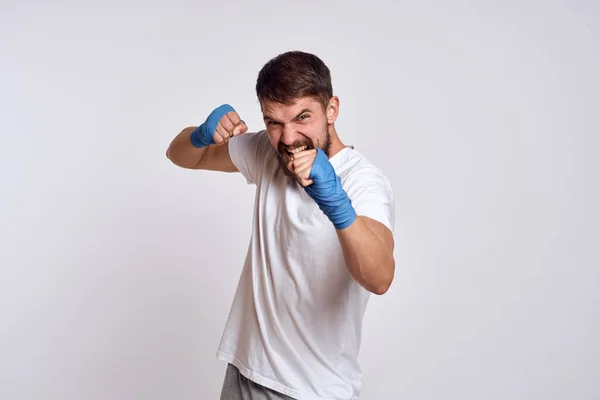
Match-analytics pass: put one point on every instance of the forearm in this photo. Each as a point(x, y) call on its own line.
point(368, 257)
point(181, 151)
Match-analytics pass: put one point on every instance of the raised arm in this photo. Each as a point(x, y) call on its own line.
point(367, 244)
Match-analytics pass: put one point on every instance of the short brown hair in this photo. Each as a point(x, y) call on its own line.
point(292, 75)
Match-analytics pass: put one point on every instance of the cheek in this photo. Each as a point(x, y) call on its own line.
point(274, 138)
point(310, 130)
point(315, 132)
point(276, 133)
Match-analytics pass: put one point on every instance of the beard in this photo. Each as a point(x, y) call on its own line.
point(284, 157)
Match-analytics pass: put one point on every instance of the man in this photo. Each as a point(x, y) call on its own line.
point(321, 242)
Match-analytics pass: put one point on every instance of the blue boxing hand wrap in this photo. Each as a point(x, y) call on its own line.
point(326, 190)
point(202, 136)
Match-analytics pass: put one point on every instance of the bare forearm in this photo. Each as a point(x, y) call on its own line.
point(369, 256)
point(181, 151)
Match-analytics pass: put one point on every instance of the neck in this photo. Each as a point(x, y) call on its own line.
point(336, 144)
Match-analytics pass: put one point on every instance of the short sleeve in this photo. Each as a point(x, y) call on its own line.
point(245, 152)
point(372, 196)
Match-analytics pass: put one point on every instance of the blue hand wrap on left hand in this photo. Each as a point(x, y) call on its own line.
point(202, 136)
point(326, 190)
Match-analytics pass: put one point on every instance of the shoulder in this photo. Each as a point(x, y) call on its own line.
point(355, 168)
point(249, 152)
point(367, 186)
point(251, 144)
point(258, 138)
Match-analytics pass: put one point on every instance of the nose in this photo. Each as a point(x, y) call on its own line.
point(288, 136)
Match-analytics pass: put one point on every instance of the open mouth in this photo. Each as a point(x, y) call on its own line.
point(297, 149)
point(289, 152)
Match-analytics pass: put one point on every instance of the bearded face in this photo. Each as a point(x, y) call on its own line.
point(296, 127)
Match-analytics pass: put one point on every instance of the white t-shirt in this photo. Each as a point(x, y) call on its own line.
point(296, 320)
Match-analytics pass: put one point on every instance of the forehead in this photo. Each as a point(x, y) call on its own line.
point(274, 108)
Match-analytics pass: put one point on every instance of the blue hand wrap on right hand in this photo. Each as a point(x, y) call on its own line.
point(327, 191)
point(202, 136)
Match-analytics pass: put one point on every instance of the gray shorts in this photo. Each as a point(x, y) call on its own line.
point(237, 387)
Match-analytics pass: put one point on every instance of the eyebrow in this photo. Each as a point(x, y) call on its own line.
point(305, 110)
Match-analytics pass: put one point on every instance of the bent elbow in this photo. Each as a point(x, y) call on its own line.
point(385, 283)
point(381, 289)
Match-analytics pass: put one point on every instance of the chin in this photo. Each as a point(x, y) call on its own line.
point(287, 172)
point(284, 159)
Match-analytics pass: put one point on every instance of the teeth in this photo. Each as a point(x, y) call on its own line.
point(297, 150)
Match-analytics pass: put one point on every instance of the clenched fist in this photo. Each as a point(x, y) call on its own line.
point(325, 188)
point(301, 165)
point(229, 125)
point(222, 124)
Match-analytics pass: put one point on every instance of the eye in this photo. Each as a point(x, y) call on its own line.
point(302, 117)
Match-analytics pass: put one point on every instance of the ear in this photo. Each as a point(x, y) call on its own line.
point(333, 109)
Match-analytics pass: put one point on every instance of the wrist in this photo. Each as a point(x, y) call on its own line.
point(203, 135)
point(199, 137)
point(327, 191)
point(343, 215)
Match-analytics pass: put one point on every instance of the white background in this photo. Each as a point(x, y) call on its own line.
point(118, 268)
